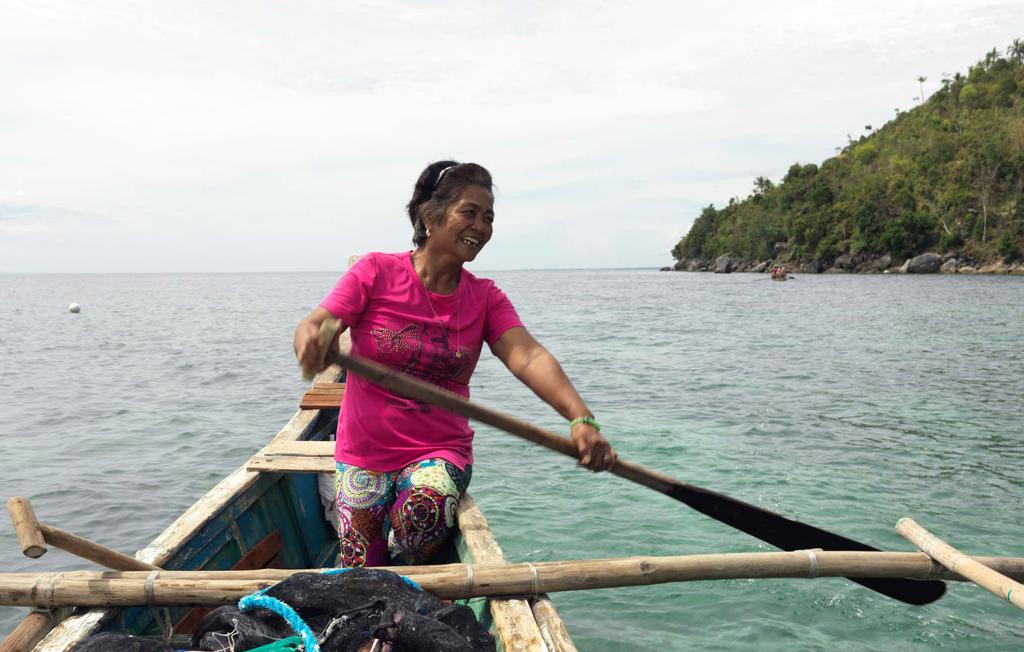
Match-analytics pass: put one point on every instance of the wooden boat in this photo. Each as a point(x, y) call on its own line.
point(273, 519)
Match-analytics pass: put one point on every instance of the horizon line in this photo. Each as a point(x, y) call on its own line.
point(328, 271)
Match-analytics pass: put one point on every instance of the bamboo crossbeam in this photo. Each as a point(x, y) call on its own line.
point(453, 581)
point(974, 569)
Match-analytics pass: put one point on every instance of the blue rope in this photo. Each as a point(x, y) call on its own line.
point(259, 600)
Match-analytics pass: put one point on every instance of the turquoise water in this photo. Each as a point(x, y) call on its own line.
point(843, 401)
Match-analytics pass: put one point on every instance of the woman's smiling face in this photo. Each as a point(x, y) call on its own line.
point(468, 224)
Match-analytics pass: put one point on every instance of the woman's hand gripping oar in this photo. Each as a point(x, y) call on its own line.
point(314, 354)
point(776, 529)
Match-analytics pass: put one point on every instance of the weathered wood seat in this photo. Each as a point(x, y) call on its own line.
point(323, 396)
point(294, 457)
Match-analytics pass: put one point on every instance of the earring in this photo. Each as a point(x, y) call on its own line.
point(428, 231)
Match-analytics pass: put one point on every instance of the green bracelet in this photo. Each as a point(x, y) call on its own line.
point(590, 421)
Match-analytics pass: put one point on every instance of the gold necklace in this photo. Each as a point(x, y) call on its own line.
point(458, 333)
point(426, 291)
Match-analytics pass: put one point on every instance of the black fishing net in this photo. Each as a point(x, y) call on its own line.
point(345, 612)
point(115, 642)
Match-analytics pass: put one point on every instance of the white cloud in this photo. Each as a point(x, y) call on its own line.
point(274, 124)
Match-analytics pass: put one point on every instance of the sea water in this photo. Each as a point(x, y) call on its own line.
point(846, 402)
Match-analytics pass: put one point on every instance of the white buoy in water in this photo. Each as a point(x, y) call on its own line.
point(75, 308)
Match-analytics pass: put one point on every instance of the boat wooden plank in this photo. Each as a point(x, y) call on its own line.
point(326, 388)
point(551, 625)
point(323, 396)
point(260, 556)
point(314, 401)
point(320, 405)
point(294, 457)
point(290, 464)
point(321, 401)
point(513, 618)
point(206, 541)
point(318, 533)
point(300, 448)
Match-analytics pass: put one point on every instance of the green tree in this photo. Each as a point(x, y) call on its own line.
point(949, 172)
point(1016, 51)
point(1008, 249)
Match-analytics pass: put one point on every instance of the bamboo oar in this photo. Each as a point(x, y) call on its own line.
point(776, 529)
point(979, 573)
point(453, 581)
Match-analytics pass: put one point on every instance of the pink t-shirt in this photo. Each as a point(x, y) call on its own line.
point(396, 321)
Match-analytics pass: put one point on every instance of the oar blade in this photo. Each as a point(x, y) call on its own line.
point(787, 534)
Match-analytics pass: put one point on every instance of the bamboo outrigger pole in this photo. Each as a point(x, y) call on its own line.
point(979, 573)
point(455, 581)
point(33, 536)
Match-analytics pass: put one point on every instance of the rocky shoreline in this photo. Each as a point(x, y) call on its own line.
point(928, 263)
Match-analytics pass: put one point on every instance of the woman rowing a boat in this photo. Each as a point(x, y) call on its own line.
point(402, 465)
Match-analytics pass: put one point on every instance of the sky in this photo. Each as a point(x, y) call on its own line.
point(231, 136)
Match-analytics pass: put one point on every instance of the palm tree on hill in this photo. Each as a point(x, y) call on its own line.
point(1016, 50)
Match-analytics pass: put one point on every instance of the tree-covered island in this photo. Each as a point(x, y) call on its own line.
point(938, 188)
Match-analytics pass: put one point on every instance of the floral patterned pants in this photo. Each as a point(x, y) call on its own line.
point(414, 505)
